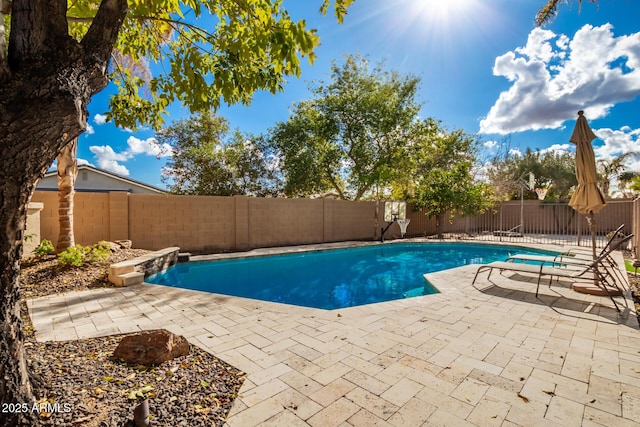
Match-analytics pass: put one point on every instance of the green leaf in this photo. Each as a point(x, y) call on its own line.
point(139, 393)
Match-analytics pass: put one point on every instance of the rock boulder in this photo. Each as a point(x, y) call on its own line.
point(151, 348)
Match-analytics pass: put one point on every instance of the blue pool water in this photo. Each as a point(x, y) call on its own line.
point(333, 278)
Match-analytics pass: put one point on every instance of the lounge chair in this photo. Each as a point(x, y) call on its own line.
point(509, 233)
point(596, 269)
point(579, 255)
point(571, 259)
point(587, 252)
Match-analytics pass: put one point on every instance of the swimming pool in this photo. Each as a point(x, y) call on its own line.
point(332, 279)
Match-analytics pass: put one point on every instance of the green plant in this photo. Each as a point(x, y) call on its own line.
point(78, 255)
point(97, 252)
point(72, 256)
point(44, 248)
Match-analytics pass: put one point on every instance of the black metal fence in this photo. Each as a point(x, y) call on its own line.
point(532, 221)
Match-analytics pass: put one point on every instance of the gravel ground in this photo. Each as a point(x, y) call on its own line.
point(84, 387)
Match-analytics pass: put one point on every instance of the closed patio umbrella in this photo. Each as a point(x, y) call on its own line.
point(588, 198)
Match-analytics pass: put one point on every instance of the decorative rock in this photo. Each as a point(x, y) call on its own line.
point(114, 247)
point(151, 348)
point(124, 244)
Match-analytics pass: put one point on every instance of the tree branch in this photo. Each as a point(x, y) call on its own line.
point(335, 185)
point(101, 38)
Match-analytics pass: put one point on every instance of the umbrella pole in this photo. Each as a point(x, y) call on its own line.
point(592, 227)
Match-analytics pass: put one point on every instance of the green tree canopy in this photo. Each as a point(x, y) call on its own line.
point(210, 51)
point(440, 177)
point(208, 161)
point(627, 181)
point(615, 168)
point(552, 170)
point(351, 135)
point(634, 184)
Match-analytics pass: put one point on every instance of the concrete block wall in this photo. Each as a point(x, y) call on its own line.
point(352, 220)
point(49, 225)
point(189, 222)
point(217, 224)
point(209, 224)
point(91, 217)
point(96, 216)
point(281, 222)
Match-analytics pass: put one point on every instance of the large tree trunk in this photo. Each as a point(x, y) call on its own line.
point(14, 381)
point(67, 173)
point(46, 82)
point(439, 219)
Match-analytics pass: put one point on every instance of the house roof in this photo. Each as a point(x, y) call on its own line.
point(112, 175)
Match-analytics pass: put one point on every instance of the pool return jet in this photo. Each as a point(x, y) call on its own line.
point(395, 212)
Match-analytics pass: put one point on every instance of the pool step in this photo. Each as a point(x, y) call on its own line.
point(122, 268)
point(415, 292)
point(129, 279)
point(133, 271)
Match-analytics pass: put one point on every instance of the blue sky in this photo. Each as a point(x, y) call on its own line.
point(484, 67)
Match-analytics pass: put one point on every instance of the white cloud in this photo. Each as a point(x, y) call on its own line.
point(90, 130)
point(83, 162)
point(618, 142)
point(557, 148)
point(100, 119)
point(108, 159)
point(552, 81)
point(148, 146)
point(490, 144)
point(481, 172)
point(515, 152)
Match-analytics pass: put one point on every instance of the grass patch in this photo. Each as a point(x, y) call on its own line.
point(629, 266)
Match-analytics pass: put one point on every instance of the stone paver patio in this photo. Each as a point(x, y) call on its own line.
point(485, 355)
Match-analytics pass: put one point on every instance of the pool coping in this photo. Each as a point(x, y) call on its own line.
point(316, 247)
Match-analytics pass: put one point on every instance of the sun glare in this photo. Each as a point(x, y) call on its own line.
point(441, 13)
point(438, 22)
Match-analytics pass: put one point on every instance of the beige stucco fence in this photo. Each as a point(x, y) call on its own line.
point(215, 224)
point(208, 224)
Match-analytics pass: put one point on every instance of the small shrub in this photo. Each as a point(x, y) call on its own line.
point(72, 256)
point(79, 255)
point(44, 248)
point(101, 250)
